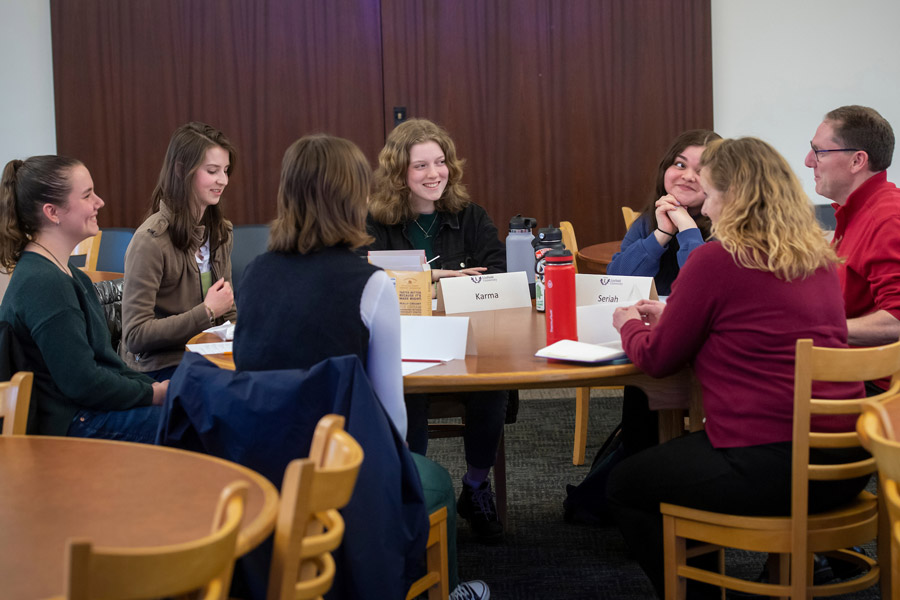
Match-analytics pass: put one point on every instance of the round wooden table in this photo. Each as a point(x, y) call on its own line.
point(506, 342)
point(113, 494)
point(594, 259)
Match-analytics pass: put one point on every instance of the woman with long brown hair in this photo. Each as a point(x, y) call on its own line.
point(178, 264)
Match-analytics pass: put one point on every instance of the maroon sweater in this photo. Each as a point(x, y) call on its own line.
point(739, 328)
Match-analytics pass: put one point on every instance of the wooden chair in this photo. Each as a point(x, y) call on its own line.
point(795, 538)
point(90, 249)
point(309, 526)
point(630, 216)
point(15, 398)
point(582, 394)
point(436, 581)
point(879, 430)
point(94, 573)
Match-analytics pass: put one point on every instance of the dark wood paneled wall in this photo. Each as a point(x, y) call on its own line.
point(562, 108)
point(265, 72)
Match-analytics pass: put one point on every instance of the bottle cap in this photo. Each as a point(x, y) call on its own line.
point(520, 222)
point(549, 235)
point(557, 256)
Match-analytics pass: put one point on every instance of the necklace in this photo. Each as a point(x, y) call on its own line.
point(53, 256)
point(430, 227)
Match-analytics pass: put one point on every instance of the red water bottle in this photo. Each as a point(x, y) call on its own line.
point(559, 278)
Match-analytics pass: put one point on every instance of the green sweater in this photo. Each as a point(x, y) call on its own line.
point(60, 325)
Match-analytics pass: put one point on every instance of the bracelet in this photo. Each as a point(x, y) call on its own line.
point(210, 314)
point(665, 232)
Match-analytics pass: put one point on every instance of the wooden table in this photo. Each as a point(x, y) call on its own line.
point(113, 494)
point(594, 259)
point(506, 342)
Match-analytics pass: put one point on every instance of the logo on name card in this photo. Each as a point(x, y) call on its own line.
point(612, 282)
point(475, 279)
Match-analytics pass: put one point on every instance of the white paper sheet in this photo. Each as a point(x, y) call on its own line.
point(225, 331)
point(214, 348)
point(436, 338)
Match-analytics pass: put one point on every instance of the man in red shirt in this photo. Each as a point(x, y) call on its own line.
point(850, 154)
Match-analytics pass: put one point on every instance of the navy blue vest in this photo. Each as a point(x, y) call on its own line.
point(296, 310)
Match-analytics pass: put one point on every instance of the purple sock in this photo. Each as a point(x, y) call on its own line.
point(475, 477)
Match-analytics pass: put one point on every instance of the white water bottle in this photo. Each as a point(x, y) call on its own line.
point(519, 251)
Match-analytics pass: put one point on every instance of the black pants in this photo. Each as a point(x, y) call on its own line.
point(485, 416)
point(688, 471)
point(640, 425)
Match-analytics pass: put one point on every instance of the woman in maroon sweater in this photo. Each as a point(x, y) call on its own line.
point(735, 313)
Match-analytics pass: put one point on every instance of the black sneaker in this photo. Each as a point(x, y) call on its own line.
point(477, 506)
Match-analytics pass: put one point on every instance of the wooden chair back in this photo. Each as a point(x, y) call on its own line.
point(204, 565)
point(435, 581)
point(796, 537)
point(630, 216)
point(568, 239)
point(15, 398)
point(879, 430)
point(309, 526)
point(90, 249)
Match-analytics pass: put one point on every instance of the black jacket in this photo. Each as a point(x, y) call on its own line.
point(466, 239)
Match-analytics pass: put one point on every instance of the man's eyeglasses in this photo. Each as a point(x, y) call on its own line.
point(817, 152)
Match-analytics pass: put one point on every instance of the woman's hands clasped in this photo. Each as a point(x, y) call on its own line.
point(470, 272)
point(671, 217)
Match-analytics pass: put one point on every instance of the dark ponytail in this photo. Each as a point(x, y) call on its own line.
point(24, 189)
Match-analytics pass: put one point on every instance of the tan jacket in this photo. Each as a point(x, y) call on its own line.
point(162, 302)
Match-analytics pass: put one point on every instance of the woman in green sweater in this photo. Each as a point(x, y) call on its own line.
point(81, 386)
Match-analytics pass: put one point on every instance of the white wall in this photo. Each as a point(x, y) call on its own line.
point(27, 121)
point(780, 65)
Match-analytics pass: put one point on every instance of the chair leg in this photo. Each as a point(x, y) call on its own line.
point(582, 406)
point(885, 549)
point(500, 479)
point(674, 555)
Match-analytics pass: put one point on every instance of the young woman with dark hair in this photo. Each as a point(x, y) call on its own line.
point(81, 387)
point(178, 264)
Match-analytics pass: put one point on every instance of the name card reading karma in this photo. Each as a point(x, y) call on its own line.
point(483, 292)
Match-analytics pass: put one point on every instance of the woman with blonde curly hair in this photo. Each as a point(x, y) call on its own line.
point(420, 203)
point(735, 313)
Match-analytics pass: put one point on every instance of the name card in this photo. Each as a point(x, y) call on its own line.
point(436, 339)
point(483, 292)
point(612, 289)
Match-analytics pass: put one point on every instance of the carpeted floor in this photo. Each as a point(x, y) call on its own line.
point(543, 557)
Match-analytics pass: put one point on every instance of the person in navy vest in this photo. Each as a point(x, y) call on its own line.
point(311, 297)
point(420, 203)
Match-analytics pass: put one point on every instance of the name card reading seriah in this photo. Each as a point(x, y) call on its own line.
point(484, 292)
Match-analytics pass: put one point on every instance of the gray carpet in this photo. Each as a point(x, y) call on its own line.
point(543, 557)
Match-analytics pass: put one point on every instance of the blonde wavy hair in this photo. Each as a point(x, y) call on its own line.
point(390, 203)
point(766, 221)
